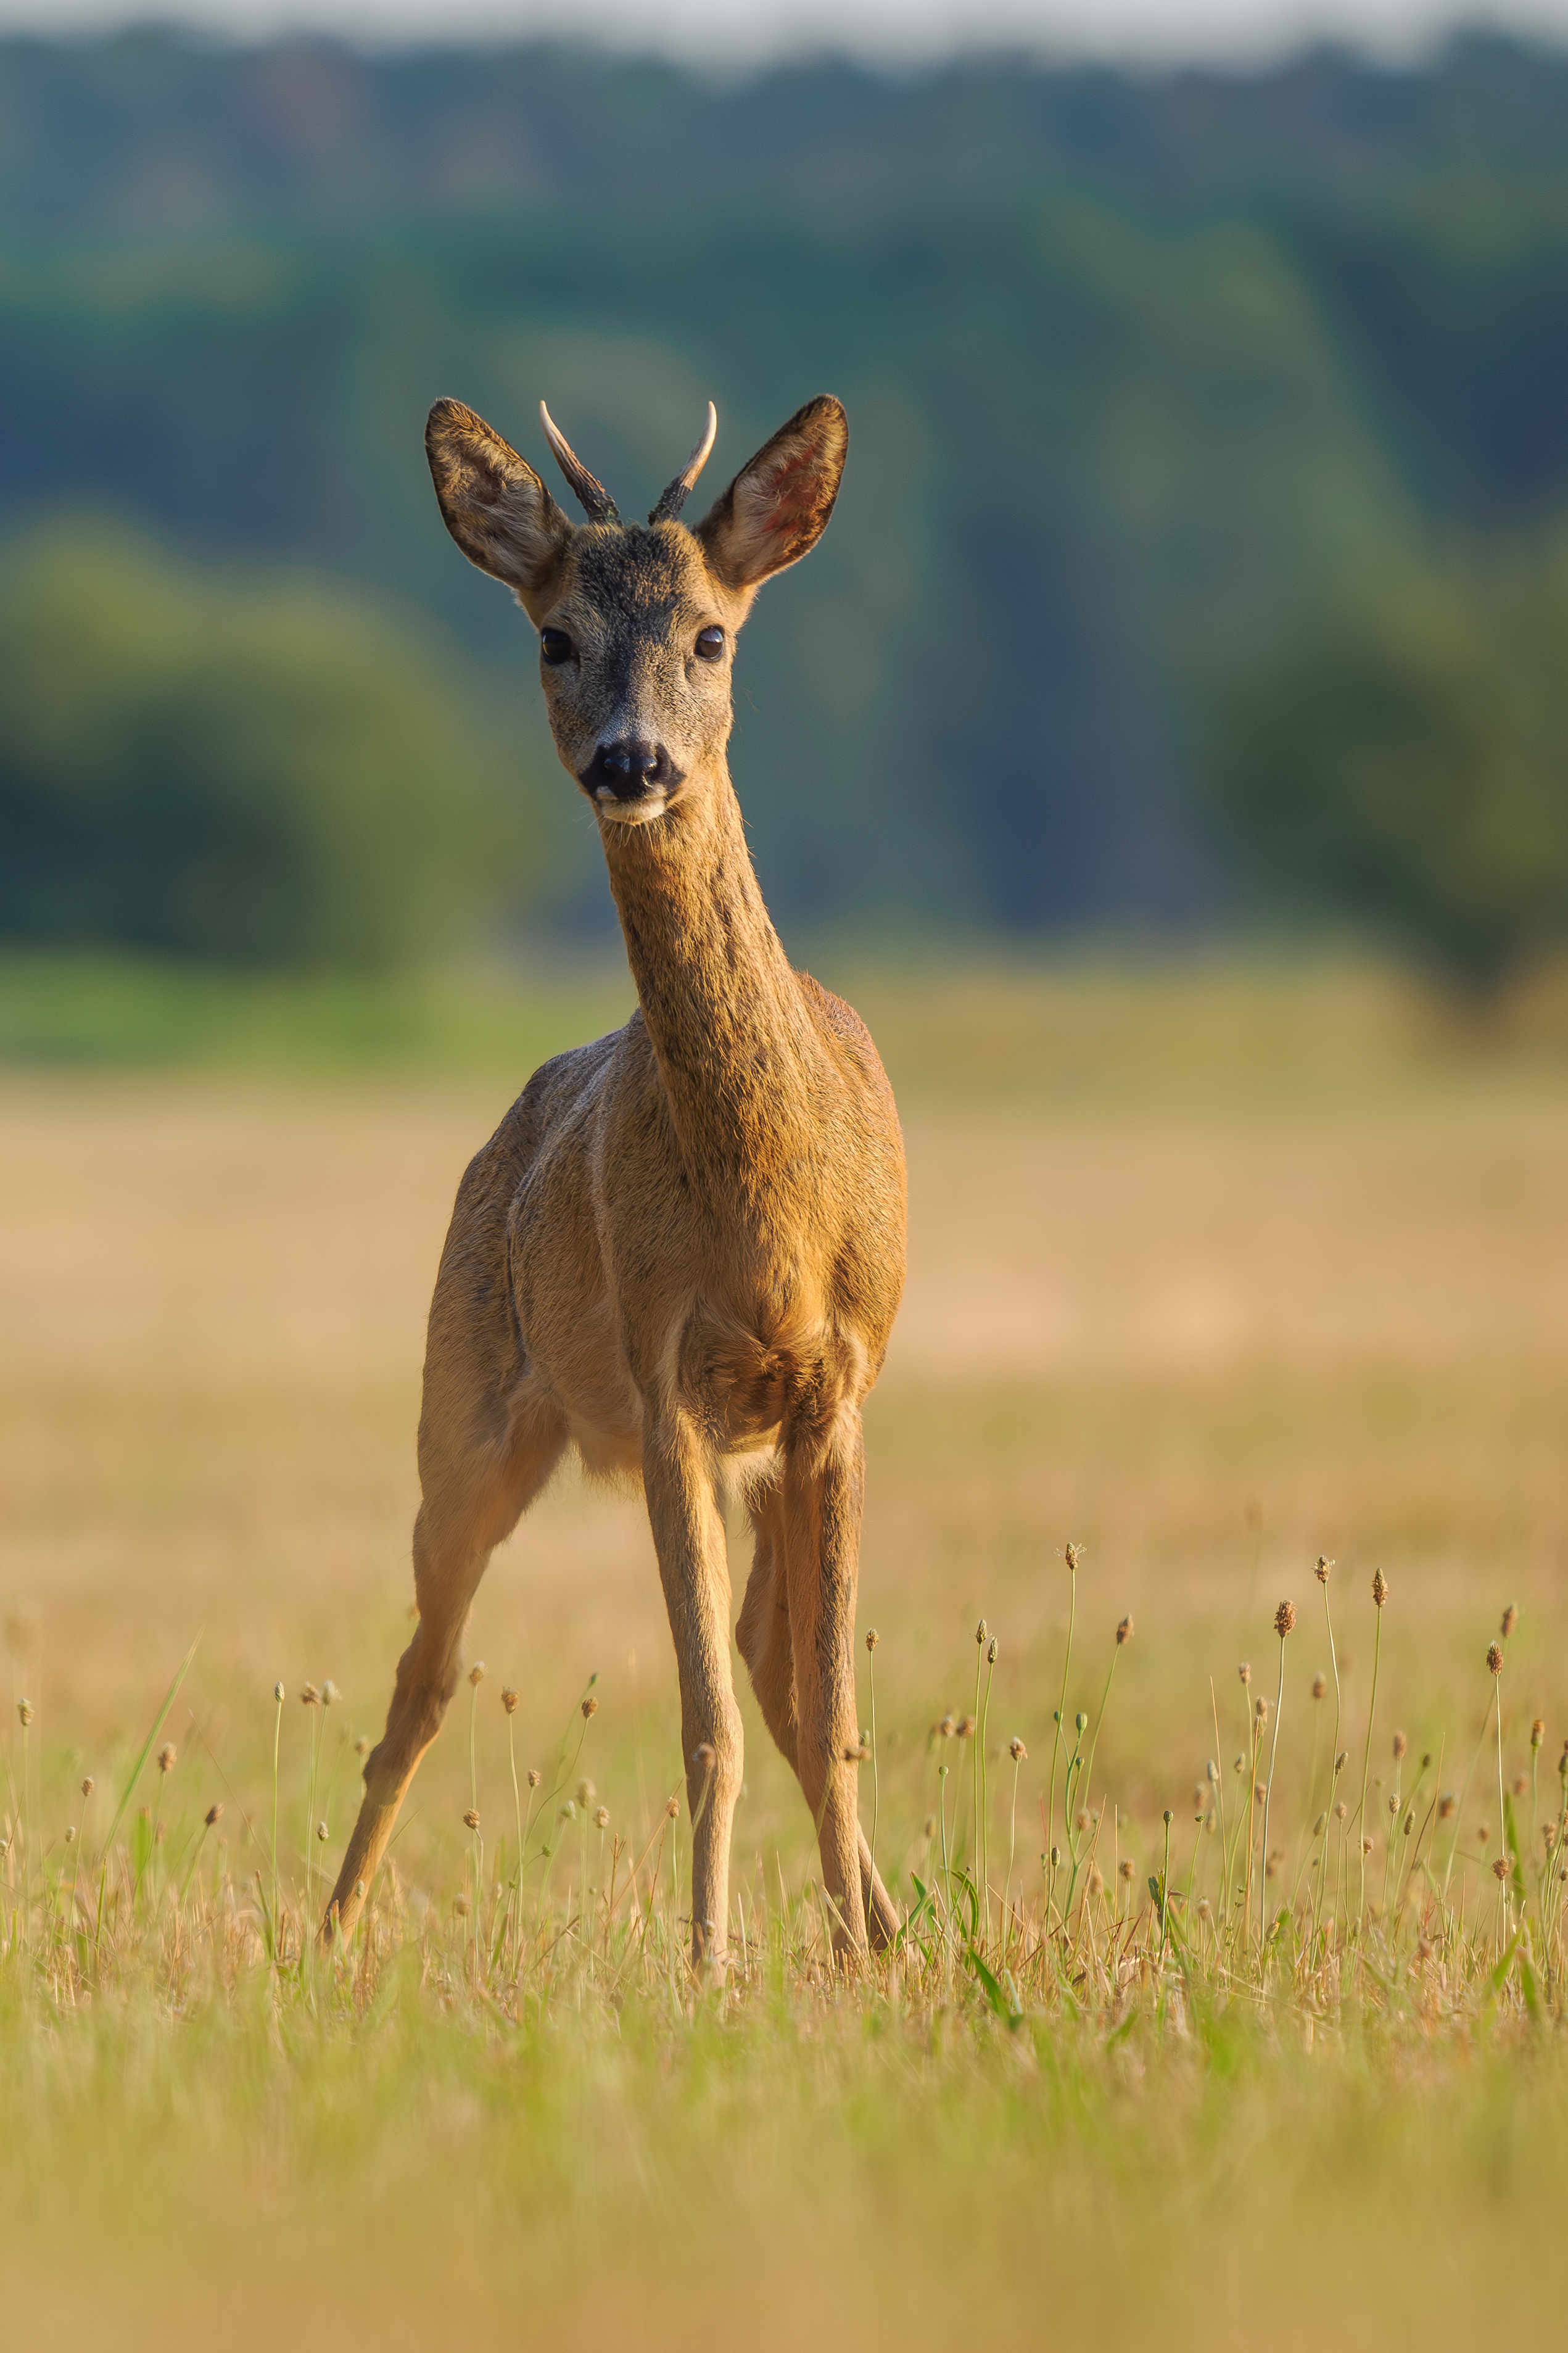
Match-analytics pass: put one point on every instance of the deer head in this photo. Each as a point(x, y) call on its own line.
point(636, 622)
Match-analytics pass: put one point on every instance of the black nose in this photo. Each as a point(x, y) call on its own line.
point(629, 770)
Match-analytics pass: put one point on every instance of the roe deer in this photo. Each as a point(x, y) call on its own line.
point(683, 1249)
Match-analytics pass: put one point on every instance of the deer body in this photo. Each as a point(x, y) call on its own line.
point(683, 1249)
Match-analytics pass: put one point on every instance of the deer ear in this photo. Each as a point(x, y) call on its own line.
point(776, 509)
point(494, 504)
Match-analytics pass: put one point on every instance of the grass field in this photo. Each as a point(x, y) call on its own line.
point(1212, 1271)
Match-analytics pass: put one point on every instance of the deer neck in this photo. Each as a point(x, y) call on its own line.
point(722, 1006)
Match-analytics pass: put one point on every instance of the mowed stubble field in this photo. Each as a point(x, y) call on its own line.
point(1210, 1273)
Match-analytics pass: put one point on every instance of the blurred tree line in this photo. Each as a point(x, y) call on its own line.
point(246, 769)
point(1406, 761)
point(1209, 436)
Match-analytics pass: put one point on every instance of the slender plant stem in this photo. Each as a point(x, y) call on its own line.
point(1407, 1872)
point(1394, 1812)
point(1502, 1801)
point(1333, 1760)
point(876, 1790)
point(1465, 1791)
point(942, 1780)
point(277, 1740)
point(1534, 1761)
point(1365, 1771)
point(82, 1842)
point(1552, 1869)
point(478, 1841)
point(974, 1761)
point(517, 1812)
point(27, 1835)
point(1314, 1810)
point(1012, 1843)
point(1334, 1667)
point(1086, 1780)
point(310, 1815)
point(1061, 1711)
point(1166, 1891)
point(1253, 1748)
point(983, 1768)
point(1268, 1793)
point(516, 1792)
point(1219, 1785)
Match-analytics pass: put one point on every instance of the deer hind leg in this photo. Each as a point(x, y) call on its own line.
point(477, 1487)
point(824, 1482)
point(688, 1537)
point(762, 1635)
point(765, 1644)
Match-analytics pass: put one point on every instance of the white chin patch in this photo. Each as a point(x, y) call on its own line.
point(643, 812)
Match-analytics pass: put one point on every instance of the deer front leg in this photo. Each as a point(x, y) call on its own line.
point(476, 1490)
point(426, 1678)
point(688, 1537)
point(824, 1482)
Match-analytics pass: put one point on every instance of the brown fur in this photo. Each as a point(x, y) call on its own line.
point(684, 1247)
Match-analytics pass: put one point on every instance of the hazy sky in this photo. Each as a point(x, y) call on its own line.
point(730, 29)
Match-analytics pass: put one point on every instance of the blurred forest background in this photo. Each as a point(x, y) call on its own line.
point(1203, 555)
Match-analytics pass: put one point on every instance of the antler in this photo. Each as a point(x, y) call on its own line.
point(675, 498)
point(595, 501)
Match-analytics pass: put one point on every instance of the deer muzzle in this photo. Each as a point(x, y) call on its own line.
point(631, 774)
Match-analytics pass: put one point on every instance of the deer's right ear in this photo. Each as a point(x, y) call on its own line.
point(494, 504)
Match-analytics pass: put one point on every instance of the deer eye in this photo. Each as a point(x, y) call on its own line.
point(556, 646)
point(709, 645)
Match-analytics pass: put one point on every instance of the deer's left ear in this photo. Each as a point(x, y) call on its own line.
point(776, 509)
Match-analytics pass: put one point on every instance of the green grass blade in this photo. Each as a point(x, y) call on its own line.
point(1511, 1833)
point(162, 1718)
point(1499, 1977)
point(990, 1987)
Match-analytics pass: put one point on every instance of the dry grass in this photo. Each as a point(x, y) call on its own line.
point(1312, 1299)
